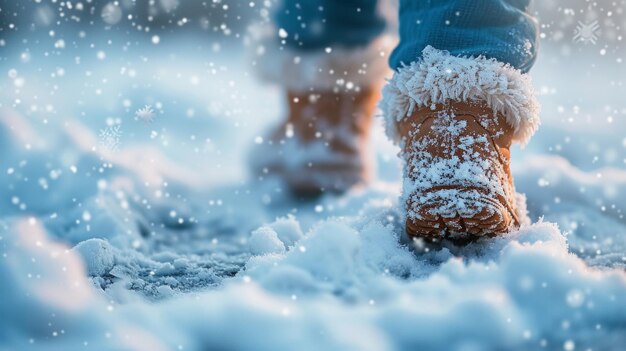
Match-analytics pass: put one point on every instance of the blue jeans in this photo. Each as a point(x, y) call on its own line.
point(499, 29)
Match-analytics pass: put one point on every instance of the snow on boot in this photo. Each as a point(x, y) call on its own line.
point(457, 175)
point(455, 120)
point(322, 146)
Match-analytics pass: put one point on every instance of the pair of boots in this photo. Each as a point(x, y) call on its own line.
point(454, 119)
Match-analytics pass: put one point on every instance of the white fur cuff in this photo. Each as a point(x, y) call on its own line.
point(334, 67)
point(440, 77)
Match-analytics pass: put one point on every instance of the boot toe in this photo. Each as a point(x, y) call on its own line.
point(458, 216)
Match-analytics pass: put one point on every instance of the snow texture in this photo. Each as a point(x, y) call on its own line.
point(98, 255)
point(439, 77)
point(265, 241)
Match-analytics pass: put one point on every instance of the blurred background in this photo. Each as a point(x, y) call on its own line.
point(579, 72)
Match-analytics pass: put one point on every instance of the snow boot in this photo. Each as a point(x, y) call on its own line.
point(458, 179)
point(455, 119)
point(322, 145)
point(331, 94)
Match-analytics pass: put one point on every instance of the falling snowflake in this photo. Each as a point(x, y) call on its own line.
point(111, 13)
point(145, 114)
point(110, 137)
point(587, 32)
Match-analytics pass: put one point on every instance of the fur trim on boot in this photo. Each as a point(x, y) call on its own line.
point(439, 78)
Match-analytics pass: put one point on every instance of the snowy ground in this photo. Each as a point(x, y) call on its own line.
point(157, 239)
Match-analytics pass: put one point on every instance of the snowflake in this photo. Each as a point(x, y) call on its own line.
point(146, 114)
point(110, 137)
point(587, 32)
point(111, 13)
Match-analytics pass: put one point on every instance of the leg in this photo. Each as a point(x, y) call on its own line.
point(323, 44)
point(498, 29)
point(330, 58)
point(455, 113)
point(318, 24)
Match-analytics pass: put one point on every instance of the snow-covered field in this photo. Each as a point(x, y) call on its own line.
point(142, 231)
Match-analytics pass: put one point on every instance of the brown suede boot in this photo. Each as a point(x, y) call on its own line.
point(458, 181)
point(332, 95)
point(322, 146)
point(454, 119)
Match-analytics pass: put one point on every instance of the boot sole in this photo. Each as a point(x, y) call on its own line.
point(460, 214)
